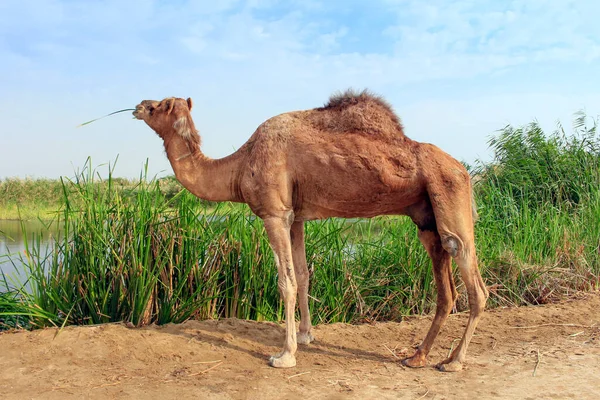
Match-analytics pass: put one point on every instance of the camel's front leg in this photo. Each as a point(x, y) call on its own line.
point(299, 258)
point(278, 230)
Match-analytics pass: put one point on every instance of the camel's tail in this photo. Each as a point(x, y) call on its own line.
point(474, 207)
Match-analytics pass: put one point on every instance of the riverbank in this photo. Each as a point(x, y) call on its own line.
point(29, 212)
point(29, 199)
point(549, 351)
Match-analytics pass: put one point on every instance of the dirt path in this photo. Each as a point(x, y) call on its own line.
point(227, 359)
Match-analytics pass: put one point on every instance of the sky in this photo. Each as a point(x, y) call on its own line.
point(454, 71)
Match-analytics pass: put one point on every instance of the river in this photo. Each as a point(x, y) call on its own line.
point(14, 236)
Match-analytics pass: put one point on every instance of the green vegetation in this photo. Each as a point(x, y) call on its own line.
point(539, 233)
point(142, 256)
point(27, 199)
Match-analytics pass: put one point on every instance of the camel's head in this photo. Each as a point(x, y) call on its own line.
point(166, 116)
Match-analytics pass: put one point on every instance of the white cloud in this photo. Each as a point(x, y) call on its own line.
point(428, 41)
point(476, 37)
point(441, 63)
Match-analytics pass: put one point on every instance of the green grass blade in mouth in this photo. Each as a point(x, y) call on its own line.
point(107, 115)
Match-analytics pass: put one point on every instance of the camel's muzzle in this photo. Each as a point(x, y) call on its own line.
point(139, 110)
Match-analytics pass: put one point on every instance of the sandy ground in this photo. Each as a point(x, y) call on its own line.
point(546, 352)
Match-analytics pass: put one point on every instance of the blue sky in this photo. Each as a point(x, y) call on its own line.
point(455, 71)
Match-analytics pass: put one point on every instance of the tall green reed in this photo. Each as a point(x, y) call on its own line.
point(150, 255)
point(146, 258)
point(540, 215)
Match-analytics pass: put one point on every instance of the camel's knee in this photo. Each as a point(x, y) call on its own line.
point(288, 287)
point(288, 291)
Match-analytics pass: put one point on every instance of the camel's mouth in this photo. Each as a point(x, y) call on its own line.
point(139, 111)
point(145, 108)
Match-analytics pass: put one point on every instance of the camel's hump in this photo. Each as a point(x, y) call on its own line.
point(358, 111)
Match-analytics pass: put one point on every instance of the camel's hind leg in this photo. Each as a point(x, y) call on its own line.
point(446, 294)
point(302, 277)
point(464, 255)
point(455, 218)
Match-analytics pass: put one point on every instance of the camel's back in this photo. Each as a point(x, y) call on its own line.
point(348, 113)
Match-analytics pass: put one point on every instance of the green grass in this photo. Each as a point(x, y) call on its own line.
point(30, 199)
point(145, 257)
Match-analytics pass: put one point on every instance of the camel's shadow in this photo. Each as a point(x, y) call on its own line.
point(261, 339)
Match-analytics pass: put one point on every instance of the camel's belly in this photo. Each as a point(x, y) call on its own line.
point(369, 204)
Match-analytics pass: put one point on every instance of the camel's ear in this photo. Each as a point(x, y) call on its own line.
point(189, 101)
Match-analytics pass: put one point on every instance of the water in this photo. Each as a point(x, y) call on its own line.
point(12, 243)
point(13, 240)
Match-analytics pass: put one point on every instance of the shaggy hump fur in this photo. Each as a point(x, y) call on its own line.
point(340, 100)
point(359, 111)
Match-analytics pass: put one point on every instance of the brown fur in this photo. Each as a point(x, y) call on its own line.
point(359, 113)
point(182, 120)
point(349, 158)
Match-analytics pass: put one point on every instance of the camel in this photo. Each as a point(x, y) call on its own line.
point(349, 158)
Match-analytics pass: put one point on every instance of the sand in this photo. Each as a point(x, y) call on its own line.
point(542, 352)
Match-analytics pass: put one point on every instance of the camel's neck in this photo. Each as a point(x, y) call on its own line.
point(213, 180)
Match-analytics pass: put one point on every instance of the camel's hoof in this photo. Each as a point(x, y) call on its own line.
point(415, 362)
point(304, 338)
point(449, 366)
point(285, 360)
